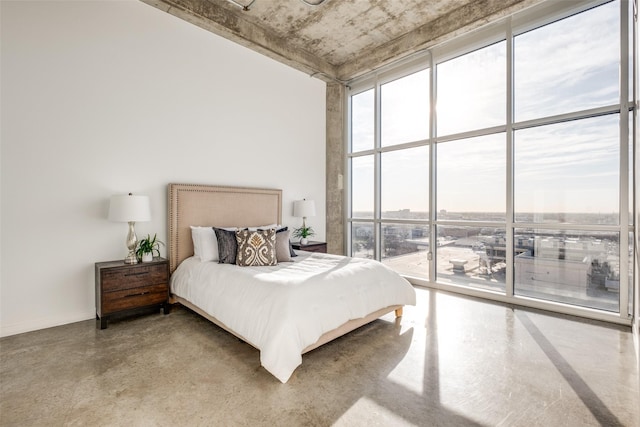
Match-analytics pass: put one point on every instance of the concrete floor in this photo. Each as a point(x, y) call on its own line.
point(450, 361)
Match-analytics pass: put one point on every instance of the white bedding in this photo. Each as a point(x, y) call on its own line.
point(283, 309)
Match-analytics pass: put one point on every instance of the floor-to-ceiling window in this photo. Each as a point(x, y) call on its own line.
point(470, 148)
point(390, 219)
point(501, 163)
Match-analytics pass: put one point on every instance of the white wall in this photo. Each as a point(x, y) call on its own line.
point(109, 97)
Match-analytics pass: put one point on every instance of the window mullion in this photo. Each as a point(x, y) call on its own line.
point(624, 159)
point(433, 233)
point(509, 279)
point(377, 182)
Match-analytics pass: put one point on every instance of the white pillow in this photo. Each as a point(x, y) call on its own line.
point(196, 241)
point(205, 243)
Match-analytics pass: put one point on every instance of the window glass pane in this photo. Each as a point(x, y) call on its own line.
point(568, 172)
point(472, 256)
point(405, 184)
point(471, 91)
point(405, 248)
point(471, 179)
point(362, 121)
point(405, 109)
point(362, 187)
point(362, 240)
point(573, 267)
point(569, 65)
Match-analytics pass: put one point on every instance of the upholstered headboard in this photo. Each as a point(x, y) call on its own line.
point(207, 205)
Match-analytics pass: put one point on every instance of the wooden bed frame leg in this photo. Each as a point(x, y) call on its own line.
point(399, 312)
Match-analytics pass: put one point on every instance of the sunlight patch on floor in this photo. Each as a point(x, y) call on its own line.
point(367, 412)
point(409, 373)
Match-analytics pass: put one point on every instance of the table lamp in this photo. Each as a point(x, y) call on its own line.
point(304, 208)
point(130, 208)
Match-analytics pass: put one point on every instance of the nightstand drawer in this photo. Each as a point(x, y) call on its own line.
point(127, 278)
point(315, 248)
point(134, 298)
point(312, 246)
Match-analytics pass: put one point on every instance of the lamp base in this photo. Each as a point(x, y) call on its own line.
point(131, 258)
point(132, 242)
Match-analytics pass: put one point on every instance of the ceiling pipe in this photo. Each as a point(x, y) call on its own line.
point(245, 7)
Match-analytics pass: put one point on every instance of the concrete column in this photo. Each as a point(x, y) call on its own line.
point(336, 124)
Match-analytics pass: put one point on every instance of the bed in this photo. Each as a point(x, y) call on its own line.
point(284, 310)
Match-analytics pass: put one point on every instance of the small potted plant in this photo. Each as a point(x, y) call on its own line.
point(147, 247)
point(303, 233)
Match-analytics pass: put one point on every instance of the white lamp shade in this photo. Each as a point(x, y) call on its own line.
point(304, 208)
point(129, 208)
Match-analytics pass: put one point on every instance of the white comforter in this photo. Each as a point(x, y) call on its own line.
point(285, 308)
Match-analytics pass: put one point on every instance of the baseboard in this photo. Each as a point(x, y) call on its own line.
point(44, 322)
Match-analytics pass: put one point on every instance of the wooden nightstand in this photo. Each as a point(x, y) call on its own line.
point(121, 287)
point(311, 246)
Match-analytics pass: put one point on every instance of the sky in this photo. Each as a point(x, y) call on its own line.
point(566, 66)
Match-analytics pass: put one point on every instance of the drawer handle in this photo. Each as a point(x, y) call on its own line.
point(141, 273)
point(136, 295)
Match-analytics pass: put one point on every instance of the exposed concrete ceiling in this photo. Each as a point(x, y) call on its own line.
point(340, 39)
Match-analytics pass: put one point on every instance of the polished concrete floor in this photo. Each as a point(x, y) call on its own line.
point(450, 361)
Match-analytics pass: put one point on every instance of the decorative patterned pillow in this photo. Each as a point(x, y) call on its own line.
point(256, 248)
point(227, 246)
